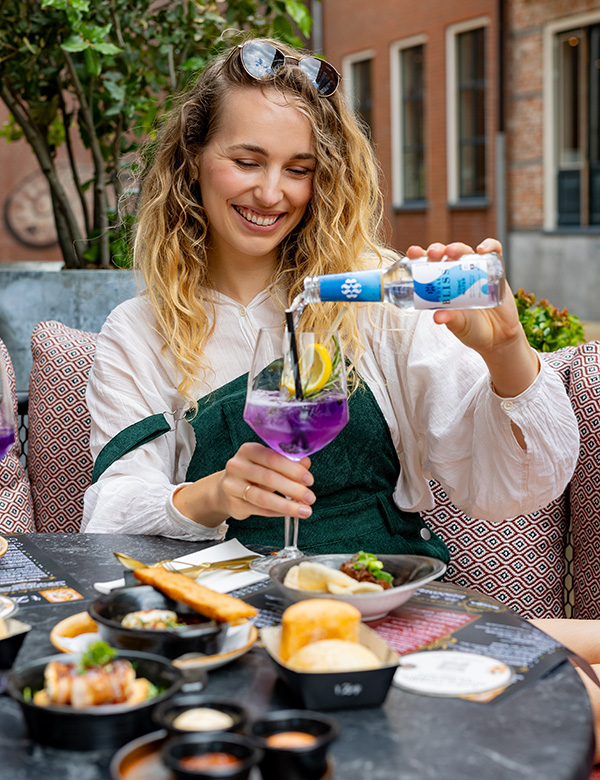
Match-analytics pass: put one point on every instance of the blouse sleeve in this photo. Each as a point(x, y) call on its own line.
point(448, 423)
point(130, 380)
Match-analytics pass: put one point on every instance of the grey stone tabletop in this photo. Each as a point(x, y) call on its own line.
point(543, 731)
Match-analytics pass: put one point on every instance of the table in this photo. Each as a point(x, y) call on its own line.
point(544, 731)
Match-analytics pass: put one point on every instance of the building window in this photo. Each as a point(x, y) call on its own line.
point(578, 126)
point(359, 77)
point(470, 105)
point(412, 123)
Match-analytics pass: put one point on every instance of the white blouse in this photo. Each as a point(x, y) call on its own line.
point(445, 420)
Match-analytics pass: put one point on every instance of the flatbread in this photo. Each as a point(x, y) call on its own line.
point(215, 606)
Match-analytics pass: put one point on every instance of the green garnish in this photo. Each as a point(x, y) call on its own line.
point(97, 654)
point(27, 694)
point(363, 560)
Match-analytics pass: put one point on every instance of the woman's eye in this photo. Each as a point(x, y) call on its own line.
point(300, 171)
point(246, 163)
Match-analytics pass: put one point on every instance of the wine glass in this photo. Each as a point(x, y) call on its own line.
point(297, 402)
point(7, 415)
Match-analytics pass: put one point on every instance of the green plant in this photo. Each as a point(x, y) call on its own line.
point(97, 73)
point(546, 327)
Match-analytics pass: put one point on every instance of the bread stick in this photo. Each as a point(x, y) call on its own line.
point(216, 606)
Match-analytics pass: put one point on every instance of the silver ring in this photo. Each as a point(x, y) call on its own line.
point(245, 496)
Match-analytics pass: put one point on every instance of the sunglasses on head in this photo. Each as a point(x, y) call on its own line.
point(261, 59)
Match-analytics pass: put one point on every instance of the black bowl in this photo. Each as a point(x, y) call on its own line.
point(243, 748)
point(202, 635)
point(165, 714)
point(104, 726)
point(300, 763)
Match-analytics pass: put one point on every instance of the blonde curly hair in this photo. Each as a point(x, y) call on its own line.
point(339, 230)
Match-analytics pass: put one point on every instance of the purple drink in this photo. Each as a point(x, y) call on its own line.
point(296, 428)
point(7, 439)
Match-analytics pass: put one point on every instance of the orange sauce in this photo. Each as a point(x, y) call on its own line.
point(208, 761)
point(290, 739)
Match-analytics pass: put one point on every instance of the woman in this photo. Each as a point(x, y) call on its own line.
point(261, 177)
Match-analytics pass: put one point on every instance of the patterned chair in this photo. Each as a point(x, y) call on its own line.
point(16, 508)
point(522, 562)
point(59, 461)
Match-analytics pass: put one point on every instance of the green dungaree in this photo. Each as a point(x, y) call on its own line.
point(355, 477)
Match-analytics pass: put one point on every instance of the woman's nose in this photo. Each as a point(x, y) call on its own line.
point(268, 190)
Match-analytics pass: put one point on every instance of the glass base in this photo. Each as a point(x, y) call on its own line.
point(264, 565)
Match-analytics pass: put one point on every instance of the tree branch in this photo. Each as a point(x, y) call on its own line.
point(100, 199)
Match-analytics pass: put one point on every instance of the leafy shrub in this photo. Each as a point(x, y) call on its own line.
point(546, 327)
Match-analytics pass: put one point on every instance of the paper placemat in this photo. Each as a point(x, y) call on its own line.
point(220, 580)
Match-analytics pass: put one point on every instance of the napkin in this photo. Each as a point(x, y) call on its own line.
point(221, 580)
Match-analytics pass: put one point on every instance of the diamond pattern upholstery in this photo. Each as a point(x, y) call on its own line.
point(520, 561)
point(16, 508)
point(59, 460)
point(585, 485)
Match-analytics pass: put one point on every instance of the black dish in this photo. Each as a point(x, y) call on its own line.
point(301, 763)
point(202, 635)
point(165, 714)
point(104, 726)
point(243, 748)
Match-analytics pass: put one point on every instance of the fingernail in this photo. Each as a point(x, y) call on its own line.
point(309, 498)
point(305, 511)
point(308, 479)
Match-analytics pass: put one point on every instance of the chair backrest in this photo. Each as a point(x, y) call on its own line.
point(585, 485)
point(59, 460)
point(520, 561)
point(16, 508)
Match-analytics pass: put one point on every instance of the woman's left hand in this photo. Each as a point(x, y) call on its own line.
point(496, 333)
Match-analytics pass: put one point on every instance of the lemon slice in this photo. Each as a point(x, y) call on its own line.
point(315, 370)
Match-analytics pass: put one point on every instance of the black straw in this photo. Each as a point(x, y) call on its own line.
point(289, 319)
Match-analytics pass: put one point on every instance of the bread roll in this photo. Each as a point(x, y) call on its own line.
point(315, 619)
point(333, 655)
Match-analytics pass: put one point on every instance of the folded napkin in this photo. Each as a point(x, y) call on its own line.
point(221, 580)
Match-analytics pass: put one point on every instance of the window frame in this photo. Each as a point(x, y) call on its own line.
point(551, 39)
point(347, 73)
point(452, 110)
point(396, 117)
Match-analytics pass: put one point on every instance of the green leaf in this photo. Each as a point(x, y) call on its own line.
point(300, 14)
point(93, 62)
point(106, 48)
point(75, 43)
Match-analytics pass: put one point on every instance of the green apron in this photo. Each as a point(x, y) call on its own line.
point(355, 476)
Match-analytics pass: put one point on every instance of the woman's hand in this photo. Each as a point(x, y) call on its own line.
point(255, 481)
point(496, 333)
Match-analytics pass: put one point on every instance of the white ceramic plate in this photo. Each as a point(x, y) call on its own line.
point(410, 572)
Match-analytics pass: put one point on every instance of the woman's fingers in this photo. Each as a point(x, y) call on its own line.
point(258, 480)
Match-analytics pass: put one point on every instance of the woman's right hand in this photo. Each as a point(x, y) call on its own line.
point(255, 481)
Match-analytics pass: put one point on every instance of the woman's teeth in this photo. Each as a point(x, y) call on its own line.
point(255, 219)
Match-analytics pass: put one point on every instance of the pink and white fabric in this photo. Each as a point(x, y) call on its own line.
point(59, 460)
point(585, 485)
point(16, 508)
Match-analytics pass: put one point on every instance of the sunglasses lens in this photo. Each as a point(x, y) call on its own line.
point(323, 75)
point(260, 59)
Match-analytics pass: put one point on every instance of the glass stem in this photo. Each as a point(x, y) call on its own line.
point(286, 530)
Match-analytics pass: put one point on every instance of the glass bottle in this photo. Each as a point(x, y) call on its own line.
point(473, 282)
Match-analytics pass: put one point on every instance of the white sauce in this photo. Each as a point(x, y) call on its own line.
point(203, 719)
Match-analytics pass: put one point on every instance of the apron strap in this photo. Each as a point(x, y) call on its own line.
point(127, 440)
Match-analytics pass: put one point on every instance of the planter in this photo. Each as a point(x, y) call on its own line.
point(78, 298)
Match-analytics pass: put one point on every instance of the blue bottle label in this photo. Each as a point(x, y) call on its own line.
point(358, 286)
point(453, 285)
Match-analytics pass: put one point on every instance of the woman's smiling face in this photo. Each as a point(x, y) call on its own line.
point(256, 174)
